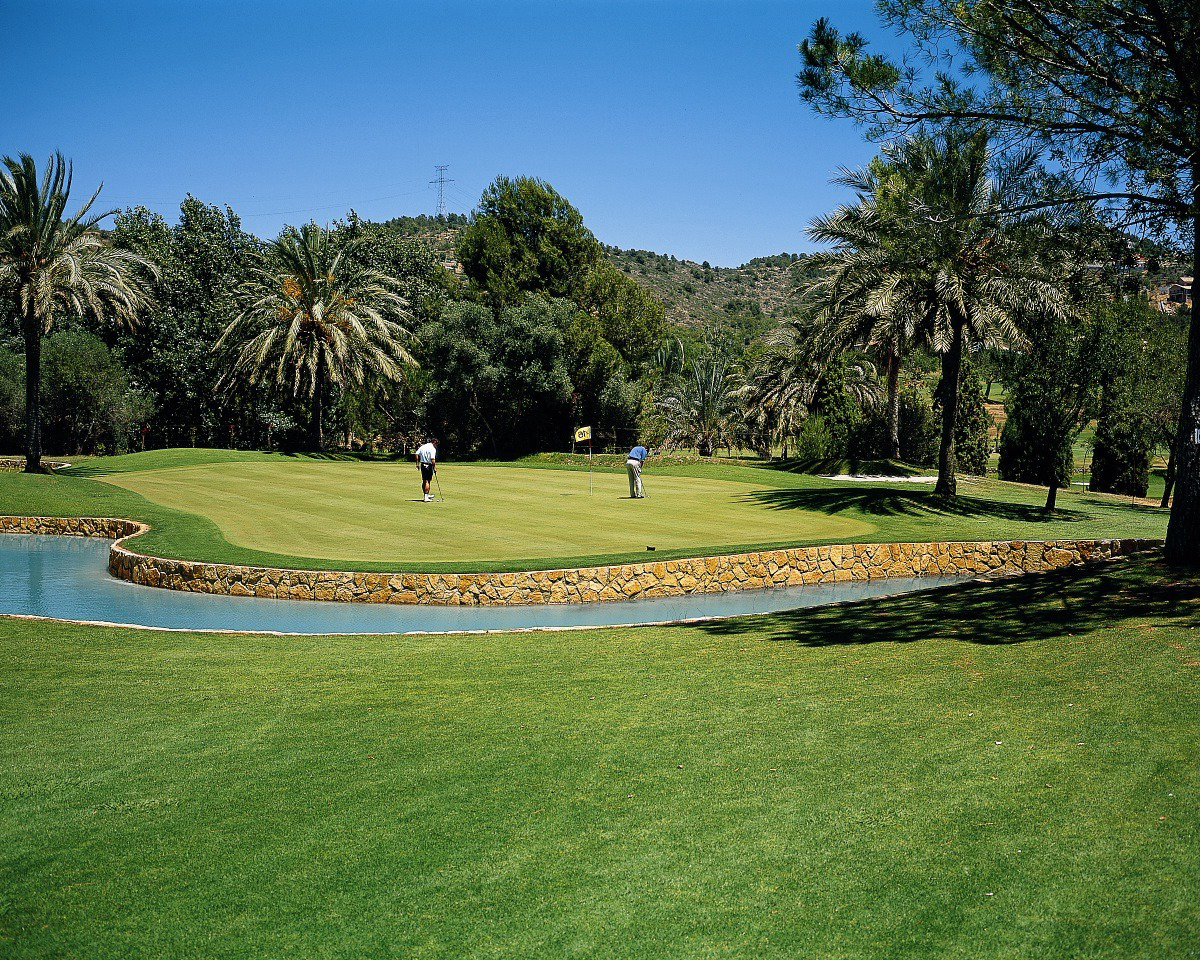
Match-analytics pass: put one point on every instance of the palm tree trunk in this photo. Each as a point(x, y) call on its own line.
point(947, 483)
point(33, 392)
point(893, 389)
point(316, 440)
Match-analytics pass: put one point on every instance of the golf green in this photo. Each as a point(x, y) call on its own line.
point(373, 512)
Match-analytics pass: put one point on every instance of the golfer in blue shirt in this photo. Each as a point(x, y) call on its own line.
point(633, 466)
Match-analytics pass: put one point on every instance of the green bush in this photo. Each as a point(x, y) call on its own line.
point(1121, 457)
point(815, 441)
point(12, 401)
point(918, 432)
point(918, 429)
point(1024, 457)
point(88, 404)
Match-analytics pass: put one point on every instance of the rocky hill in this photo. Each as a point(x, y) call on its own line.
point(744, 301)
point(752, 297)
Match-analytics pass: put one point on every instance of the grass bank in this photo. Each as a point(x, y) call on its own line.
point(1005, 770)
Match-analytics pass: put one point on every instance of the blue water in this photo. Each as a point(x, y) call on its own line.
point(67, 578)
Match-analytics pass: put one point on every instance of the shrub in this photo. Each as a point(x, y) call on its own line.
point(1023, 454)
point(815, 441)
point(918, 429)
point(88, 404)
point(1121, 457)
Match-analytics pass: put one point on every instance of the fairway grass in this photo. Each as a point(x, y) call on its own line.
point(373, 512)
point(1006, 770)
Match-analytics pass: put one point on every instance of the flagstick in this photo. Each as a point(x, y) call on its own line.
point(589, 466)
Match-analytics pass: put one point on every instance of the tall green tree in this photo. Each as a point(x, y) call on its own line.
point(856, 309)
point(1139, 360)
point(525, 238)
point(1108, 89)
point(313, 319)
point(631, 319)
point(943, 251)
point(59, 264)
point(526, 241)
point(204, 259)
point(796, 375)
point(1050, 396)
point(500, 381)
point(782, 382)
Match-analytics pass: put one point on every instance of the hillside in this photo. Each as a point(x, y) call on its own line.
point(745, 300)
point(758, 293)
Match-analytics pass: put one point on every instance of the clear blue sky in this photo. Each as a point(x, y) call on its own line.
point(673, 125)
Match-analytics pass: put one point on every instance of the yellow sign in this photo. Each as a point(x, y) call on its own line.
point(583, 433)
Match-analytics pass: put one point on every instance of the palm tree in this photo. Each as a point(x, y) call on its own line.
point(854, 308)
point(699, 406)
point(314, 317)
point(929, 254)
point(784, 382)
point(54, 265)
point(884, 330)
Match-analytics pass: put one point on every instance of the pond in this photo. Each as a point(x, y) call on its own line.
point(67, 578)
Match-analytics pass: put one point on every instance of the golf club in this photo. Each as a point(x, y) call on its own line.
point(439, 486)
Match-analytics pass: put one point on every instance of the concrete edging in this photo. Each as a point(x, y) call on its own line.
point(655, 578)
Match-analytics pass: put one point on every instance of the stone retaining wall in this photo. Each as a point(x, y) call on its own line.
point(105, 528)
point(13, 464)
point(654, 578)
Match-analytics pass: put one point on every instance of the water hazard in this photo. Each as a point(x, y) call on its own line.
point(67, 578)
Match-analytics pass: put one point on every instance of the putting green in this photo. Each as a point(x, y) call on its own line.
point(371, 512)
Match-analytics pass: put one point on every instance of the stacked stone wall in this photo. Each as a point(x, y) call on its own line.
point(106, 528)
point(14, 464)
point(654, 578)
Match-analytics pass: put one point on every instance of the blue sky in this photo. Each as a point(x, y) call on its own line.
point(673, 125)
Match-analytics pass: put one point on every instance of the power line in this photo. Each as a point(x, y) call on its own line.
point(441, 182)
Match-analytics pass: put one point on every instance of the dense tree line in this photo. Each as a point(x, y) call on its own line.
point(354, 334)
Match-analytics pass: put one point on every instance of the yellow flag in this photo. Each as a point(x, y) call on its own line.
point(583, 433)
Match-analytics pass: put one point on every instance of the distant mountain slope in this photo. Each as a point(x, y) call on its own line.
point(696, 293)
point(745, 300)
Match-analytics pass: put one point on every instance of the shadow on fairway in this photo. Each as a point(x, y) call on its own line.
point(347, 456)
point(1035, 607)
point(888, 502)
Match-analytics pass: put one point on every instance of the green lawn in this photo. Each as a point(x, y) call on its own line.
point(342, 512)
point(997, 771)
point(373, 512)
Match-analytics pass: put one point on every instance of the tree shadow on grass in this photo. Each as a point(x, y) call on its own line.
point(1034, 607)
point(345, 456)
point(887, 502)
point(87, 470)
